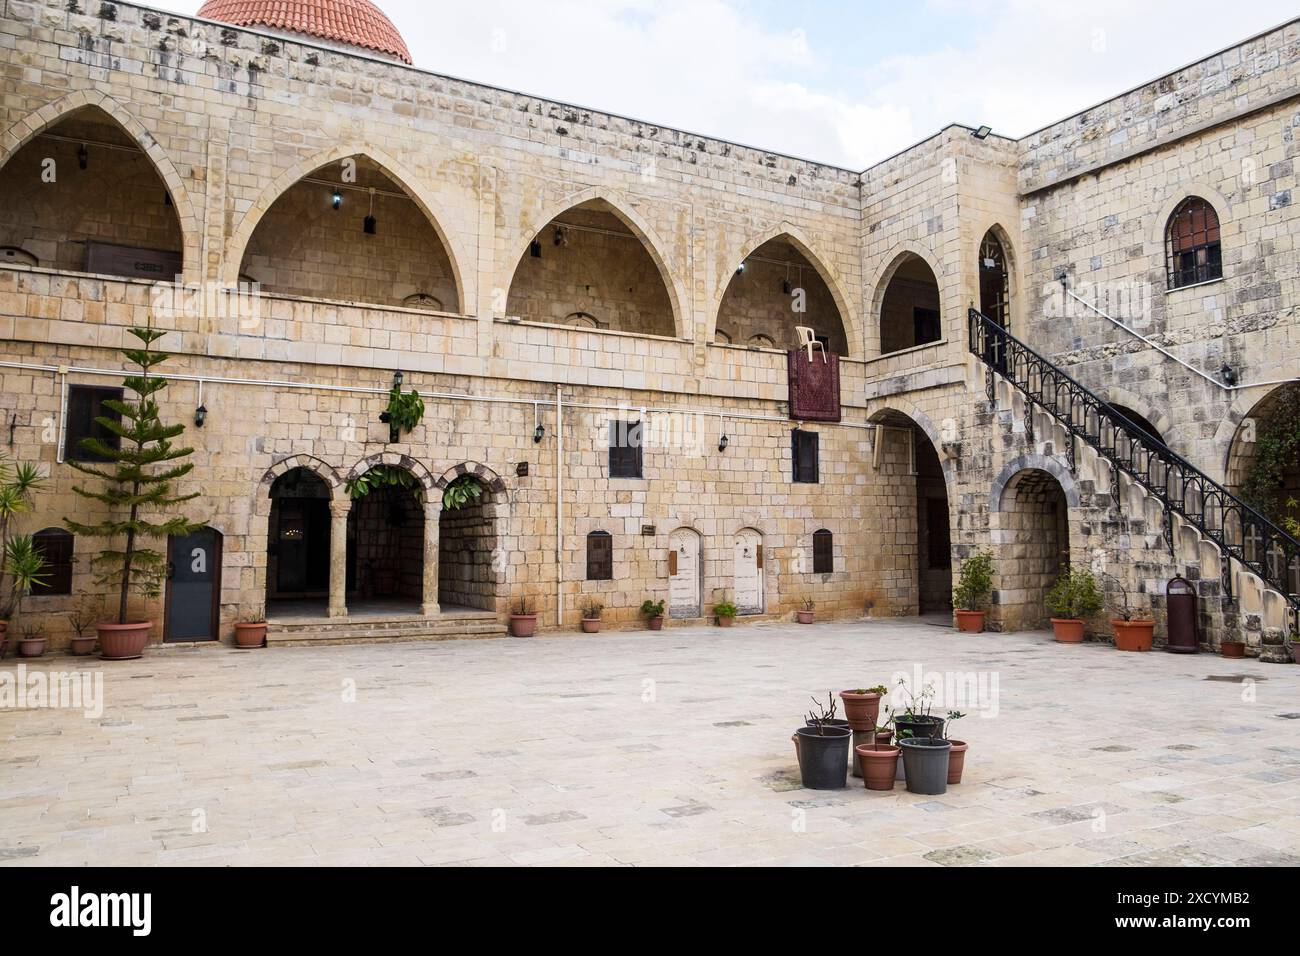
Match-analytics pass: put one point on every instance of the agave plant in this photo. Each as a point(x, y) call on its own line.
point(19, 483)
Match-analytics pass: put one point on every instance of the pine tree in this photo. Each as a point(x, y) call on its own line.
point(138, 479)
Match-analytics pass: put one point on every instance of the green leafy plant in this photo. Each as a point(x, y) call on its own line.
point(404, 411)
point(652, 608)
point(726, 609)
point(878, 689)
point(380, 476)
point(139, 477)
point(975, 582)
point(462, 491)
point(1275, 451)
point(952, 718)
point(23, 566)
point(1074, 596)
point(591, 609)
point(916, 705)
point(19, 483)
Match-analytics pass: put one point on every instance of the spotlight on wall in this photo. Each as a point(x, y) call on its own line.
point(539, 433)
point(1228, 374)
point(740, 268)
point(83, 156)
point(723, 442)
point(982, 132)
point(200, 416)
point(337, 199)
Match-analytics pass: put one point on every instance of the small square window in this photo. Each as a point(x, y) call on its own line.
point(85, 404)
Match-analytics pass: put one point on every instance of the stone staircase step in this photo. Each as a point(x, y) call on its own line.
point(379, 630)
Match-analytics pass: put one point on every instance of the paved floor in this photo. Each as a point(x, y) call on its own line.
point(641, 748)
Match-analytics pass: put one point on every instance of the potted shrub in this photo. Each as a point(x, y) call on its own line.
point(654, 612)
point(823, 750)
point(81, 619)
point(1072, 598)
point(957, 755)
point(591, 610)
point(807, 612)
point(973, 591)
point(878, 762)
point(916, 721)
point(21, 566)
point(1132, 632)
point(138, 477)
point(32, 643)
point(523, 618)
point(925, 764)
point(251, 631)
point(726, 612)
point(862, 707)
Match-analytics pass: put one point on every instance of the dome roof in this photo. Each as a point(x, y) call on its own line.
point(354, 22)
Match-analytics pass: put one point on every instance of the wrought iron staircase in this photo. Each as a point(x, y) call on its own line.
point(1239, 532)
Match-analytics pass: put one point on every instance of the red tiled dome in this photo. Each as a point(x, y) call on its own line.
point(354, 22)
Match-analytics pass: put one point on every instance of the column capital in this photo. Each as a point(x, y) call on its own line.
point(340, 506)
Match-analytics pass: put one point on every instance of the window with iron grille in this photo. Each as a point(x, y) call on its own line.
point(823, 552)
point(803, 452)
point(625, 450)
point(55, 546)
point(1192, 250)
point(600, 556)
point(85, 404)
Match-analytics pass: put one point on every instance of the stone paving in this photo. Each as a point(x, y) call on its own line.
point(641, 748)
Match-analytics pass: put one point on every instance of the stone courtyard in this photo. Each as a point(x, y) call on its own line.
point(640, 748)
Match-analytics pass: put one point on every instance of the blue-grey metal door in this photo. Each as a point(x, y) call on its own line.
point(193, 586)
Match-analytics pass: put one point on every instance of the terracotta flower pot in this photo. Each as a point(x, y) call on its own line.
point(590, 625)
point(523, 625)
point(1133, 635)
point(726, 621)
point(861, 710)
point(81, 646)
point(956, 760)
point(1233, 649)
point(250, 635)
point(657, 622)
point(31, 647)
point(123, 642)
point(805, 617)
point(879, 766)
point(1067, 630)
point(970, 622)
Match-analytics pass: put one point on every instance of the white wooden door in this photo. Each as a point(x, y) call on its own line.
point(684, 574)
point(749, 572)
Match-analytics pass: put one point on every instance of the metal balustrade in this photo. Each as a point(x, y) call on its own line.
point(1240, 532)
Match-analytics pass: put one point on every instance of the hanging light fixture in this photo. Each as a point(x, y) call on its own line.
point(200, 416)
point(398, 377)
point(370, 222)
point(83, 156)
point(539, 432)
point(337, 199)
point(724, 441)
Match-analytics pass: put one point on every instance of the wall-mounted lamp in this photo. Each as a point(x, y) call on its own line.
point(1228, 374)
point(539, 432)
point(982, 132)
point(398, 377)
point(723, 442)
point(200, 416)
point(370, 221)
point(337, 199)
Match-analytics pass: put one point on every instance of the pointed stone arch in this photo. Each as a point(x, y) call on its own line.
point(26, 129)
point(894, 259)
point(405, 178)
point(788, 231)
point(622, 208)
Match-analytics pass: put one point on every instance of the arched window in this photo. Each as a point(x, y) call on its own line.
point(1192, 250)
point(761, 341)
point(823, 552)
point(600, 556)
point(55, 546)
point(721, 337)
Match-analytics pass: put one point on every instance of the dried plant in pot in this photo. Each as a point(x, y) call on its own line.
point(1072, 598)
point(1133, 630)
point(973, 592)
point(822, 746)
point(81, 619)
point(32, 642)
point(523, 618)
point(591, 611)
point(807, 611)
point(654, 613)
point(250, 630)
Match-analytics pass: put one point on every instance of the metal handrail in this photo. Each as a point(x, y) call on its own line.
point(1239, 531)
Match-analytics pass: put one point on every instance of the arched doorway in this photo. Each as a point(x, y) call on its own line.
point(470, 572)
point(385, 553)
point(298, 543)
point(774, 290)
point(685, 577)
point(82, 195)
point(909, 309)
point(1033, 518)
point(1263, 468)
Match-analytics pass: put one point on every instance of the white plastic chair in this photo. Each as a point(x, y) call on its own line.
point(808, 341)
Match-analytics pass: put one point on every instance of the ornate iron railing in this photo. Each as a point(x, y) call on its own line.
point(1240, 532)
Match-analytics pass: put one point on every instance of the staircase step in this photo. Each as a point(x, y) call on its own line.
point(379, 630)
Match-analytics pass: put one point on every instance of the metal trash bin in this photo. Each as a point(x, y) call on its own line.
point(1180, 611)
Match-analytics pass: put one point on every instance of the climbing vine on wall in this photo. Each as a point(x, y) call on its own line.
point(462, 491)
point(380, 476)
point(1275, 453)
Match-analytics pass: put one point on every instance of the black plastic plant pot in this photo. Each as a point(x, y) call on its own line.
point(824, 757)
point(838, 723)
point(925, 764)
point(919, 726)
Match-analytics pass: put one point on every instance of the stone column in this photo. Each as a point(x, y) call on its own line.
point(339, 509)
point(432, 539)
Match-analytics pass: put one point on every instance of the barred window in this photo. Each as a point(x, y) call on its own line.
point(1192, 250)
point(55, 546)
point(823, 552)
point(600, 556)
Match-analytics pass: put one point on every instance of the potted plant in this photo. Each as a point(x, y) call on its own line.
point(251, 631)
point(591, 610)
point(1072, 598)
point(21, 566)
point(19, 483)
point(823, 749)
point(807, 612)
point(726, 612)
point(1132, 633)
point(957, 755)
point(973, 591)
point(139, 477)
point(862, 706)
point(654, 612)
point(1233, 649)
point(916, 721)
point(81, 619)
point(878, 761)
point(32, 643)
point(523, 618)
point(925, 764)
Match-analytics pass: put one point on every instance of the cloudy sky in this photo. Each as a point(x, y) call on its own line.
point(835, 81)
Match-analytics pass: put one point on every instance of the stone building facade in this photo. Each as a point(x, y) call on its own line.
point(537, 270)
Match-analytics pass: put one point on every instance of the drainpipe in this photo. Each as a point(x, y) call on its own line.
point(559, 506)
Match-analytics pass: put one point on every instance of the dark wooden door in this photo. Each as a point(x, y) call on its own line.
point(193, 586)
